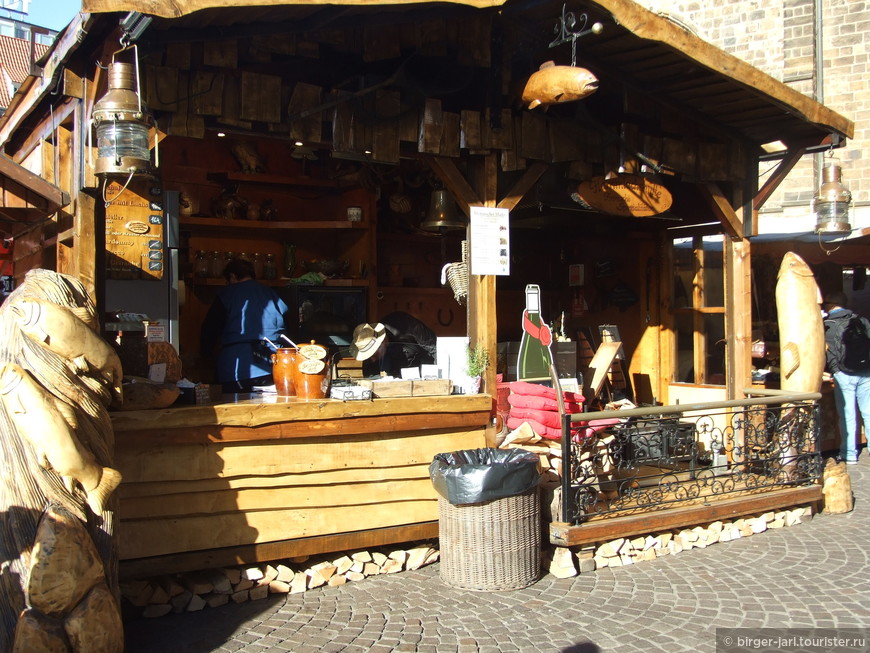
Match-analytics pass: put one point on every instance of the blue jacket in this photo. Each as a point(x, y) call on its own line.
point(242, 316)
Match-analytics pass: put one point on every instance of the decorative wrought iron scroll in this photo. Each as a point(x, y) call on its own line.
point(650, 463)
point(564, 33)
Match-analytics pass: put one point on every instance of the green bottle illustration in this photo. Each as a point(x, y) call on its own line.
point(534, 358)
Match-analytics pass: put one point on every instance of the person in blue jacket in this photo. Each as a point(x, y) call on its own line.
point(243, 316)
point(851, 386)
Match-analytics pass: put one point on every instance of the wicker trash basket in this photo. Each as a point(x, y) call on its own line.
point(491, 546)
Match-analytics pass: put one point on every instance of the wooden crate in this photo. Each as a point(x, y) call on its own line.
point(409, 387)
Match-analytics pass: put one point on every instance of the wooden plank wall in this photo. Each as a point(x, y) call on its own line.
point(194, 497)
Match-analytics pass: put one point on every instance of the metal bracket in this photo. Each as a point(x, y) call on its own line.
point(564, 34)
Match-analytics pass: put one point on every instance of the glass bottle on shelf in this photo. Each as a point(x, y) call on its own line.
point(534, 357)
point(228, 256)
point(216, 263)
point(201, 268)
point(270, 270)
point(258, 266)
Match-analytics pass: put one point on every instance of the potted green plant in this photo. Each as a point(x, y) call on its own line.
point(477, 360)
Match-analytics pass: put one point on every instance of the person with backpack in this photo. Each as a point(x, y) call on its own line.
point(847, 357)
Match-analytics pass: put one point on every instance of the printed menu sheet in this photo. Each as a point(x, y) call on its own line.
point(134, 230)
point(490, 241)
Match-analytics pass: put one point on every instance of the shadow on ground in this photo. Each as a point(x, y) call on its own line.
point(194, 632)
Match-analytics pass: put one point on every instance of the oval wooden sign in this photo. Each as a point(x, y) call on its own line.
point(625, 195)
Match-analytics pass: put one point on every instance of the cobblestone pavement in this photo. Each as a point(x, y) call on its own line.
point(813, 575)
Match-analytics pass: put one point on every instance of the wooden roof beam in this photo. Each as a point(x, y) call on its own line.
point(722, 209)
point(455, 182)
point(776, 178)
point(52, 197)
point(530, 177)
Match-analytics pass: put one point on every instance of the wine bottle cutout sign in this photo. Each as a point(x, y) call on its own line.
point(534, 358)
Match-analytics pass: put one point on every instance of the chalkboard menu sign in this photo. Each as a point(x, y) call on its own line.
point(134, 230)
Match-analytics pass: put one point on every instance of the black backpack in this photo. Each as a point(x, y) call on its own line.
point(856, 346)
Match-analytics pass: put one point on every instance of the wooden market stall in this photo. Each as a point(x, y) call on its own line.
point(307, 111)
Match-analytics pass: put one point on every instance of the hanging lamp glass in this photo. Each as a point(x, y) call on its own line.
point(832, 201)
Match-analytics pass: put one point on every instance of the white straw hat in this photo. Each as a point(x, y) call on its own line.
point(366, 340)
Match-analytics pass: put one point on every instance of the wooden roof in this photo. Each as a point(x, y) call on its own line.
point(656, 57)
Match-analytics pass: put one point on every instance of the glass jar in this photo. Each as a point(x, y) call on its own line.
point(201, 267)
point(216, 264)
point(270, 269)
point(258, 266)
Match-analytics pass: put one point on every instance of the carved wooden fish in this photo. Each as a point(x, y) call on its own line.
point(63, 332)
point(49, 426)
point(801, 330)
point(553, 84)
point(801, 343)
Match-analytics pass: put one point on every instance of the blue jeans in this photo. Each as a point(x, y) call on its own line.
point(852, 395)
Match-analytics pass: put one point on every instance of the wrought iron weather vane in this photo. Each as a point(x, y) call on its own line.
point(564, 31)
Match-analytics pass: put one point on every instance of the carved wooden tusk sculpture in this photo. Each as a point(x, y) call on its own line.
point(51, 431)
point(68, 335)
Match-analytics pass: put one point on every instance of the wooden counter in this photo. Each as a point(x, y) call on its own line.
point(267, 478)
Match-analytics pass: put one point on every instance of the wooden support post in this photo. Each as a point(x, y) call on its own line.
point(738, 315)
point(89, 245)
point(482, 323)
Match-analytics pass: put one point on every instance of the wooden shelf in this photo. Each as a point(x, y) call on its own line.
point(209, 281)
point(276, 180)
point(423, 238)
point(417, 290)
point(263, 225)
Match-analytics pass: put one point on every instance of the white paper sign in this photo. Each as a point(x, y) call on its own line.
point(155, 332)
point(452, 359)
point(410, 373)
point(157, 372)
point(490, 243)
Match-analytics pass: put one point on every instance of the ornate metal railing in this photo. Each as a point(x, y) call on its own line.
point(645, 459)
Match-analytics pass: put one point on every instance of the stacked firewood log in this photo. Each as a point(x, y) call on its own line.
point(565, 562)
point(193, 591)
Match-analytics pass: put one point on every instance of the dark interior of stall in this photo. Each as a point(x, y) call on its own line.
point(288, 214)
point(299, 207)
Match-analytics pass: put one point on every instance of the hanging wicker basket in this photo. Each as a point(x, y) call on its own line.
point(456, 274)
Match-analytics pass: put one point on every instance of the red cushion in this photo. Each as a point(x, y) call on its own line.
point(548, 418)
point(538, 390)
point(542, 403)
point(544, 431)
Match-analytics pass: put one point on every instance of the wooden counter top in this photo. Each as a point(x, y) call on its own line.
point(292, 417)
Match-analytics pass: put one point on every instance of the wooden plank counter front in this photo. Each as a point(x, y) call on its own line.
point(267, 478)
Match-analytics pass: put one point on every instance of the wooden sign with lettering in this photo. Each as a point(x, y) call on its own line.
point(625, 195)
point(134, 230)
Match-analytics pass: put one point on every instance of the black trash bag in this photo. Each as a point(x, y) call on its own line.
point(478, 475)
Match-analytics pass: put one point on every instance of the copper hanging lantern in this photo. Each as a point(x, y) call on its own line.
point(123, 125)
point(832, 201)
